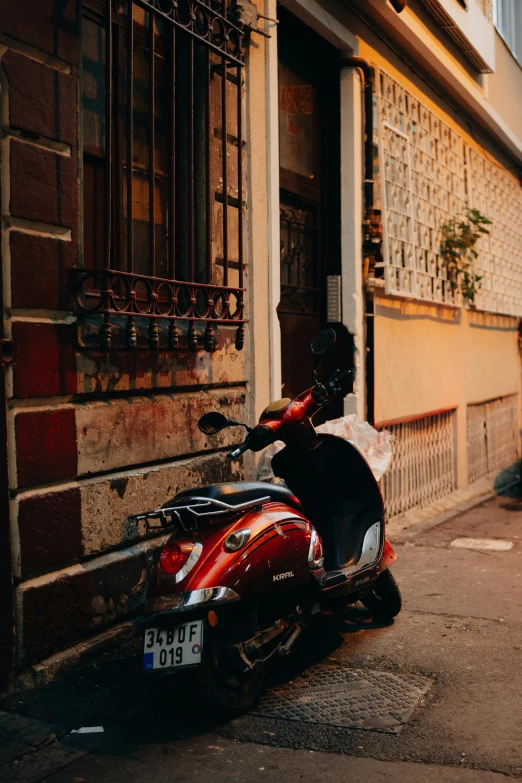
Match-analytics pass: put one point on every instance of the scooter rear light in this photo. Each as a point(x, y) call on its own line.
point(173, 557)
point(178, 557)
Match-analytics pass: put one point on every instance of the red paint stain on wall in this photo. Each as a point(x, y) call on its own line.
point(46, 359)
point(46, 447)
point(50, 531)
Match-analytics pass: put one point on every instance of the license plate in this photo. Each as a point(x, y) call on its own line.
point(167, 648)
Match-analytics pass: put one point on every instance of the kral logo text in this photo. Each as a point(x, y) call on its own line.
point(286, 575)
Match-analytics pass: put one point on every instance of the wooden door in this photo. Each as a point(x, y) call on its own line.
point(309, 150)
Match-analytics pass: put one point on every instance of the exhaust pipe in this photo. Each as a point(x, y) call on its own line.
point(285, 648)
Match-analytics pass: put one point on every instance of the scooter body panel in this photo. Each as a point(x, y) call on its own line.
point(389, 556)
point(274, 558)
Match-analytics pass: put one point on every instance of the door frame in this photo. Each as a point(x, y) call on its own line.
point(326, 25)
point(7, 618)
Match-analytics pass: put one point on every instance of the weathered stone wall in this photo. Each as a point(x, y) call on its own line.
point(92, 437)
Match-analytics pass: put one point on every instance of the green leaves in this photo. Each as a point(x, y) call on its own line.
point(459, 238)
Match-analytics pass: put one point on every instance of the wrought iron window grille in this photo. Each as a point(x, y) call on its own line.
point(163, 173)
point(298, 245)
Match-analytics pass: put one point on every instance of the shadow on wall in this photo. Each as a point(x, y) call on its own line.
point(508, 483)
point(415, 310)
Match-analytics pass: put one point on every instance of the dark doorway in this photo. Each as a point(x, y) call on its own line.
point(310, 215)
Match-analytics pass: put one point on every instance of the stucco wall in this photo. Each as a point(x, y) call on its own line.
point(429, 358)
point(504, 87)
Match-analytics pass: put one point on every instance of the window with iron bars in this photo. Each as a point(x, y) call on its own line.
point(162, 172)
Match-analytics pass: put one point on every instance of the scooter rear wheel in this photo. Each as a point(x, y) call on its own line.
point(227, 689)
point(384, 598)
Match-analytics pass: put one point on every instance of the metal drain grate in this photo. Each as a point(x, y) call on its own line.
point(351, 698)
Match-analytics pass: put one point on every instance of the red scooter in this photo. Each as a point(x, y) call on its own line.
point(249, 563)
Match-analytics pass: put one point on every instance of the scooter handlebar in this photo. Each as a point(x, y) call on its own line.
point(237, 452)
point(334, 384)
point(257, 439)
point(323, 393)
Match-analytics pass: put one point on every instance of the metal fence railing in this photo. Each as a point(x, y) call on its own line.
point(423, 467)
point(492, 435)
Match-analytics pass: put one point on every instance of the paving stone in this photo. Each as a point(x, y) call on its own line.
point(10, 750)
point(36, 765)
point(28, 731)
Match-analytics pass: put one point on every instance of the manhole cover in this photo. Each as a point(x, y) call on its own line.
point(352, 698)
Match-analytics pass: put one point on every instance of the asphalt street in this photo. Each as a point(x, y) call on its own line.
point(461, 627)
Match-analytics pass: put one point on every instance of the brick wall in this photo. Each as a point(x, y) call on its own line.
point(92, 438)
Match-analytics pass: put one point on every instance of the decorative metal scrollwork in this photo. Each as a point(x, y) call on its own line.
point(157, 302)
point(299, 291)
point(205, 21)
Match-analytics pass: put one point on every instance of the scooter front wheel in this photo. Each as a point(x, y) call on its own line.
point(226, 686)
point(384, 597)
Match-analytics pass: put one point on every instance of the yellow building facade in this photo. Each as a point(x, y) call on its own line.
point(440, 371)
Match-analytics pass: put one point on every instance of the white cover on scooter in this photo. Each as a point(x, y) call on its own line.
point(375, 446)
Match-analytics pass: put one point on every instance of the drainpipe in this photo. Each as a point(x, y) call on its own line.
point(368, 75)
point(368, 82)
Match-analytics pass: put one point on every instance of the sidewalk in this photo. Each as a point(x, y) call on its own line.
point(457, 502)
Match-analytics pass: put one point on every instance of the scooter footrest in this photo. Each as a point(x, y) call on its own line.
point(333, 579)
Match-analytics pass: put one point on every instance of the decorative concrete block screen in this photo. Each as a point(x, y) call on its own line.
point(427, 175)
point(422, 164)
point(422, 469)
point(493, 442)
point(499, 197)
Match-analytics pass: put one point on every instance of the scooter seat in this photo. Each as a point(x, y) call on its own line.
point(237, 492)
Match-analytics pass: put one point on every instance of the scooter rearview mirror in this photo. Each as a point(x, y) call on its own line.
point(212, 422)
point(321, 343)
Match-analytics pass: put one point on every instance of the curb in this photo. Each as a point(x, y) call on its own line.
point(419, 520)
point(32, 749)
point(422, 526)
point(45, 671)
point(416, 520)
